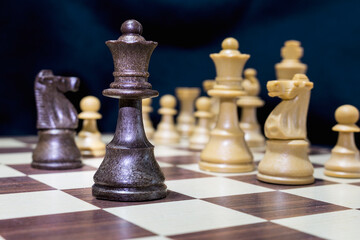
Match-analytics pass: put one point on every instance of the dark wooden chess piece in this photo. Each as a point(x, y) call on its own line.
point(56, 122)
point(129, 171)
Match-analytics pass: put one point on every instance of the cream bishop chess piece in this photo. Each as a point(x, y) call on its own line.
point(226, 150)
point(345, 161)
point(201, 134)
point(185, 121)
point(146, 110)
point(286, 159)
point(248, 104)
point(166, 133)
point(89, 138)
point(208, 85)
point(290, 65)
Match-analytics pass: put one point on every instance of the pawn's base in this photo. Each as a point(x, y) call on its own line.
point(93, 152)
point(340, 174)
point(124, 194)
point(285, 180)
point(57, 165)
point(226, 168)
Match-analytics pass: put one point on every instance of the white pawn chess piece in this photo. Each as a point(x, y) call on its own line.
point(208, 85)
point(146, 110)
point(166, 133)
point(248, 104)
point(201, 134)
point(344, 161)
point(89, 138)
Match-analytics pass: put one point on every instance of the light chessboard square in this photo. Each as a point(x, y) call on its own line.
point(67, 180)
point(179, 217)
point(207, 187)
point(16, 158)
point(339, 194)
point(27, 204)
point(340, 225)
point(6, 171)
point(11, 143)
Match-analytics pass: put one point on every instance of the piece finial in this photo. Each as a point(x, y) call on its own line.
point(250, 72)
point(230, 43)
point(347, 114)
point(203, 104)
point(292, 50)
point(90, 104)
point(168, 101)
point(131, 26)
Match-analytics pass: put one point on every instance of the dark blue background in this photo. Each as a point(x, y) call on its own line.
point(68, 37)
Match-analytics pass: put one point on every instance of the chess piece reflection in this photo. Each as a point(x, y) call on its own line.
point(248, 104)
point(56, 122)
point(345, 161)
point(226, 150)
point(286, 159)
point(146, 110)
point(201, 134)
point(89, 138)
point(166, 133)
point(186, 120)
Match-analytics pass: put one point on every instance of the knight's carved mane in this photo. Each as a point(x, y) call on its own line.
point(288, 119)
point(54, 110)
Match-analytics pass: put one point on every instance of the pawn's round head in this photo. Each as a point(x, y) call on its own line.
point(250, 72)
point(131, 26)
point(168, 101)
point(203, 104)
point(347, 114)
point(90, 104)
point(146, 102)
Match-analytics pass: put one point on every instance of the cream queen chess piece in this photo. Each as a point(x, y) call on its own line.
point(248, 104)
point(344, 161)
point(227, 150)
point(290, 65)
point(286, 159)
point(89, 138)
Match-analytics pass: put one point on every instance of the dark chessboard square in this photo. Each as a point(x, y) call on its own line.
point(15, 150)
point(253, 180)
point(21, 184)
point(85, 194)
point(96, 224)
point(265, 230)
point(180, 159)
point(274, 205)
point(175, 173)
point(27, 169)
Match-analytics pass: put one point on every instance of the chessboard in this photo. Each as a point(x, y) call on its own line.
point(43, 204)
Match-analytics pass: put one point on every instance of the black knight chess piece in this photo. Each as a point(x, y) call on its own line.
point(129, 171)
point(56, 123)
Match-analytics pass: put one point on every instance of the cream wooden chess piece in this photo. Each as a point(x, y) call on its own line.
point(208, 85)
point(290, 65)
point(146, 110)
point(89, 138)
point(226, 150)
point(286, 159)
point(248, 104)
point(344, 161)
point(186, 120)
point(201, 134)
point(166, 132)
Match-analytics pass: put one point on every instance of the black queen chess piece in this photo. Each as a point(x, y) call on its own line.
point(129, 171)
point(56, 123)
